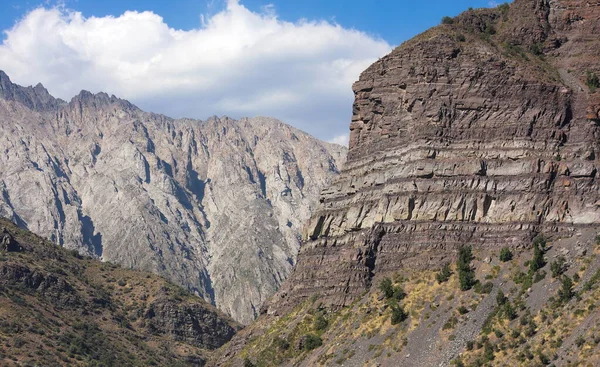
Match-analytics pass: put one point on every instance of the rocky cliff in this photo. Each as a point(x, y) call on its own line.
point(483, 132)
point(216, 206)
point(59, 308)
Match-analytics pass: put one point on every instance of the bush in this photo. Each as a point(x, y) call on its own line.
point(398, 315)
point(385, 286)
point(282, 344)
point(500, 298)
point(461, 37)
point(485, 288)
point(558, 266)
point(312, 342)
point(565, 293)
point(592, 81)
point(466, 275)
point(444, 274)
point(505, 254)
point(509, 311)
point(447, 20)
point(320, 322)
point(248, 363)
point(538, 261)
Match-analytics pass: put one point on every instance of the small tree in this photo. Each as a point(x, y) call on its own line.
point(538, 258)
point(447, 20)
point(385, 286)
point(500, 298)
point(444, 274)
point(565, 293)
point(592, 81)
point(466, 275)
point(320, 322)
point(398, 315)
point(558, 266)
point(505, 254)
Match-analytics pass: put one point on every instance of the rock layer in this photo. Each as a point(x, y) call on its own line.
point(216, 206)
point(482, 132)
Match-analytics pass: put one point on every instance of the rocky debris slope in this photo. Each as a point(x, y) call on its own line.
point(59, 308)
point(482, 132)
point(216, 206)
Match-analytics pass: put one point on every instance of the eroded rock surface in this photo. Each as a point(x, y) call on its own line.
point(216, 206)
point(483, 132)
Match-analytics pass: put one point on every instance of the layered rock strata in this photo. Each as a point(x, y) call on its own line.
point(481, 132)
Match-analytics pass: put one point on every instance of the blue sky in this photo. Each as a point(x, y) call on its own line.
point(294, 60)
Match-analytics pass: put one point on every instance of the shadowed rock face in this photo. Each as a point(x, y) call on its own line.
point(482, 132)
point(216, 206)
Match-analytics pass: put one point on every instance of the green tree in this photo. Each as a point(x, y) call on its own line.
point(558, 266)
point(398, 315)
point(466, 275)
point(500, 298)
point(505, 254)
point(444, 274)
point(385, 286)
point(538, 261)
point(447, 20)
point(565, 293)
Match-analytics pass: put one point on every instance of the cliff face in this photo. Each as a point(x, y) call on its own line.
point(482, 132)
point(216, 206)
point(78, 311)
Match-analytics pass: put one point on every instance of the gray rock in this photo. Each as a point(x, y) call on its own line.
point(216, 206)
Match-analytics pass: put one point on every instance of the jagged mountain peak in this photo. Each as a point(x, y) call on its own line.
point(216, 206)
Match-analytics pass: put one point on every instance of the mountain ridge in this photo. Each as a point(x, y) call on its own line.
point(174, 196)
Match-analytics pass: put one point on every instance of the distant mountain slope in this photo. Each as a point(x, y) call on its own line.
point(216, 206)
point(60, 309)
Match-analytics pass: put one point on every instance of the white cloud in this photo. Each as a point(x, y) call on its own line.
point(239, 63)
point(341, 139)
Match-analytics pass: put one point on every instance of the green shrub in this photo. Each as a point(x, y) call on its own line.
point(558, 266)
point(320, 322)
point(248, 363)
point(398, 315)
point(447, 20)
point(385, 286)
point(281, 344)
point(312, 342)
point(389, 291)
point(505, 254)
point(484, 288)
point(565, 293)
point(592, 81)
point(466, 275)
point(461, 37)
point(538, 261)
point(444, 274)
point(463, 310)
point(500, 298)
point(508, 311)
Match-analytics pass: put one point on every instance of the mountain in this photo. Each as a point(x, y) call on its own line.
point(482, 132)
point(215, 206)
point(62, 309)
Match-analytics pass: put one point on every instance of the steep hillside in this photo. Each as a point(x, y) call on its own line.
point(58, 308)
point(216, 206)
point(481, 132)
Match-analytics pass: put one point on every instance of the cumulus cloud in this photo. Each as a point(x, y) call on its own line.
point(237, 63)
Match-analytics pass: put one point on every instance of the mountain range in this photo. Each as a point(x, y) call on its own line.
point(216, 206)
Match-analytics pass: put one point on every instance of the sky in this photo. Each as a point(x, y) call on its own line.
point(290, 59)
